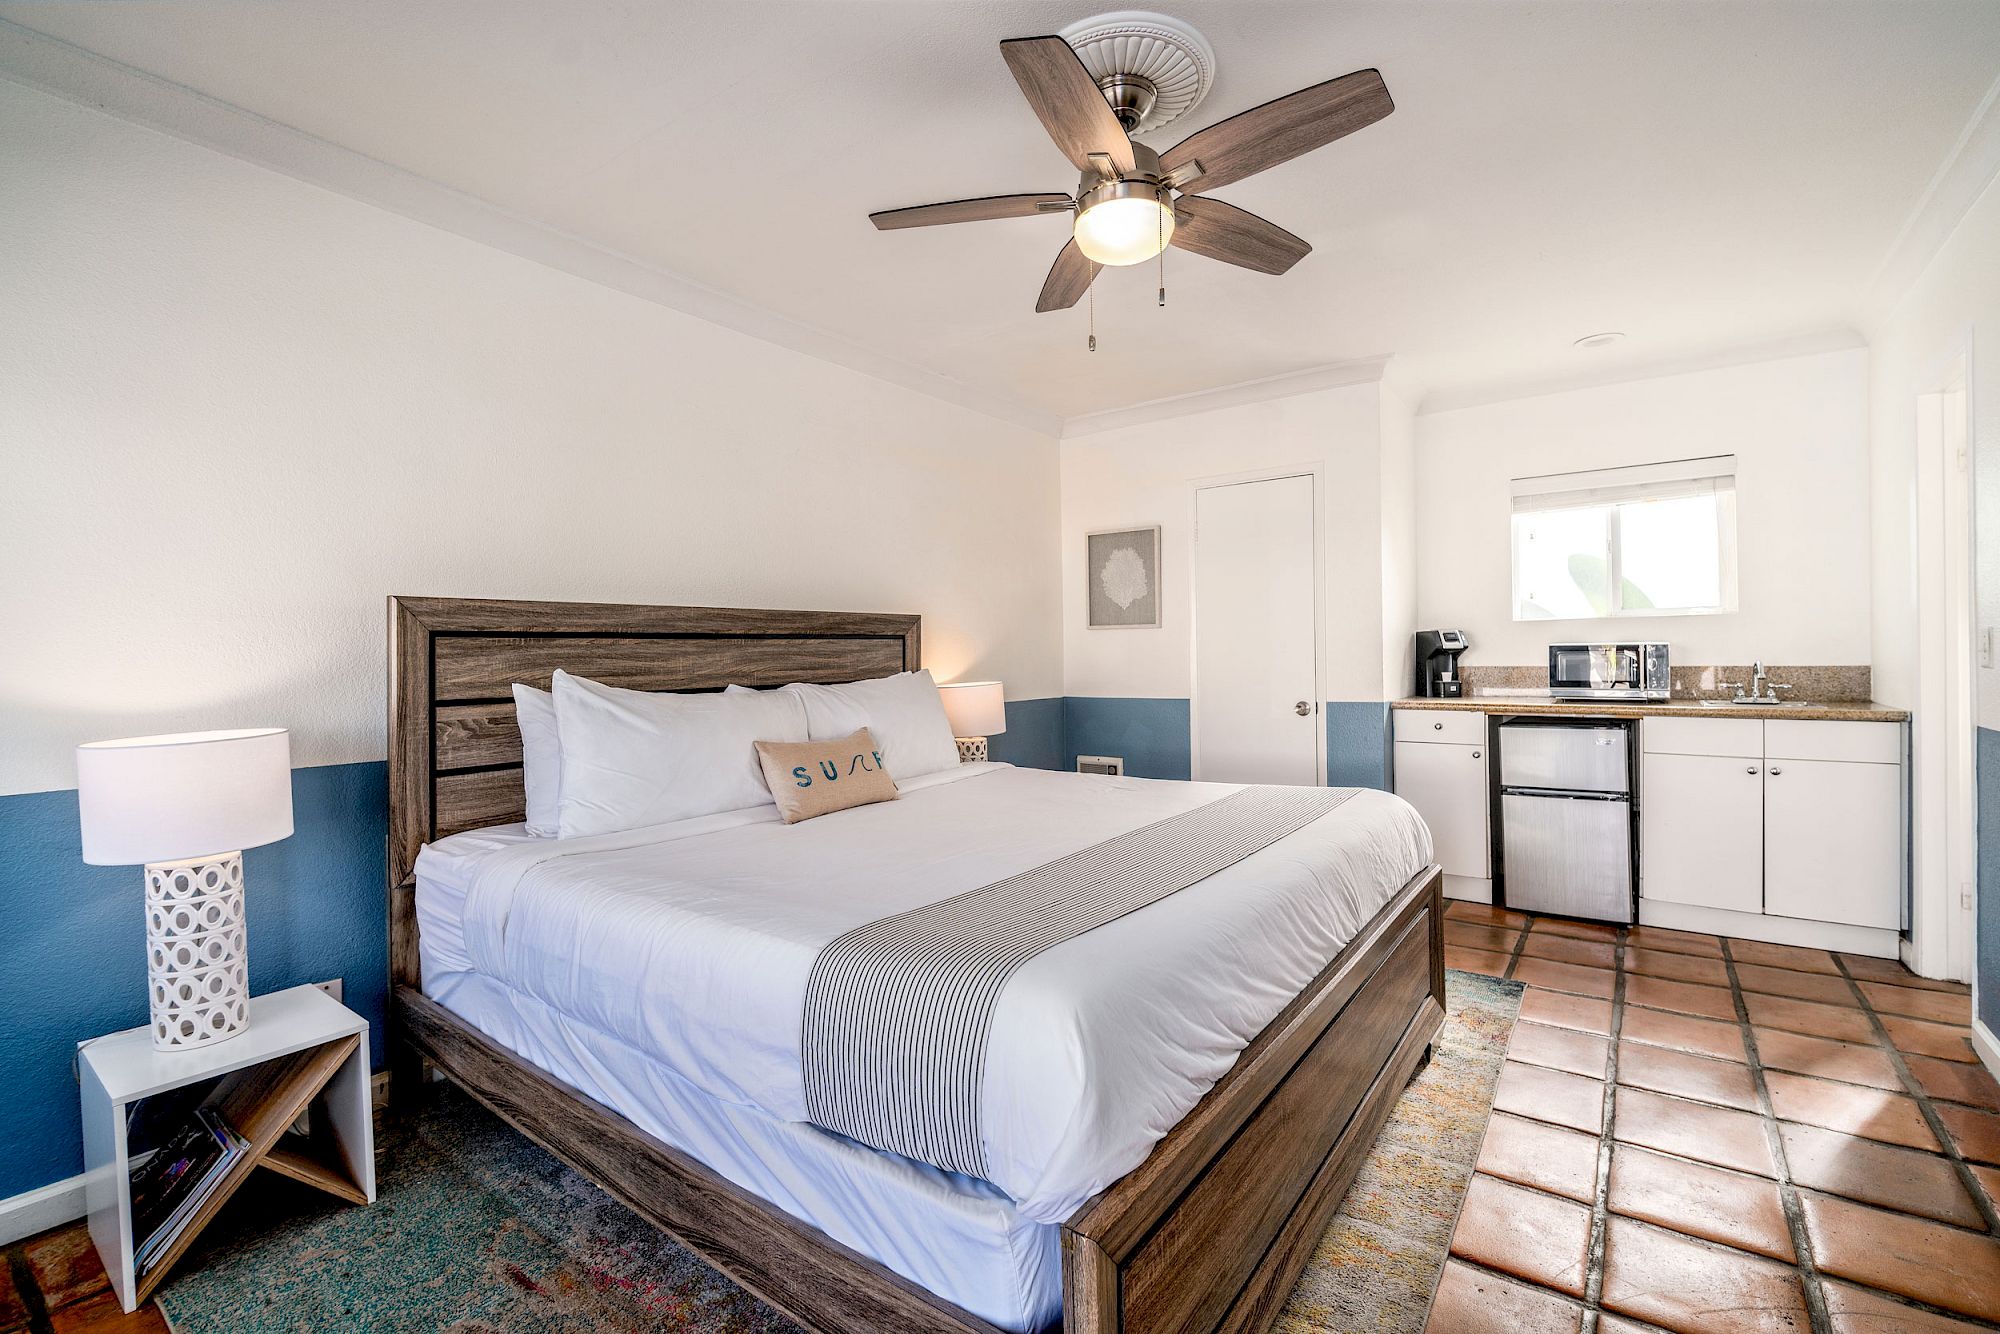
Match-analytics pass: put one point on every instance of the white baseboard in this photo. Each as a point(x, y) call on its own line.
point(39, 1210)
point(1467, 889)
point(1777, 930)
point(1987, 1045)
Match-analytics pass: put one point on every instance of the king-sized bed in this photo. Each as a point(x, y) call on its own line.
point(1163, 1106)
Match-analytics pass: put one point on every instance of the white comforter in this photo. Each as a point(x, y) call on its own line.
point(691, 942)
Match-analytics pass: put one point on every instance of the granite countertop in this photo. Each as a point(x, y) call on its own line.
point(1852, 711)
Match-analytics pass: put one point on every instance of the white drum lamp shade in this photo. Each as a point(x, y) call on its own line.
point(186, 806)
point(976, 710)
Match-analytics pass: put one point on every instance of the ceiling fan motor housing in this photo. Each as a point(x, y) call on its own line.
point(1153, 69)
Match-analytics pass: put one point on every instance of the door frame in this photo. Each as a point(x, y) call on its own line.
point(1317, 472)
point(1944, 806)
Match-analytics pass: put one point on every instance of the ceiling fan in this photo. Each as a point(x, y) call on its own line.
point(1132, 202)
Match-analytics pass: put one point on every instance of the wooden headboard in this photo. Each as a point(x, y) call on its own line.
point(454, 748)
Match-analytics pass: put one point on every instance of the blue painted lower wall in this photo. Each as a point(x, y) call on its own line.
point(1358, 748)
point(1152, 734)
point(75, 964)
point(1986, 932)
point(1155, 737)
point(1033, 738)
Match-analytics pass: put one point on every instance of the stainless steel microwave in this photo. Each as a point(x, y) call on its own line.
point(1609, 671)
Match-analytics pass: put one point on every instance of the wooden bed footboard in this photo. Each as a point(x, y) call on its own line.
point(1208, 1234)
point(1212, 1230)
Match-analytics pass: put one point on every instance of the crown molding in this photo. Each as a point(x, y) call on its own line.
point(1967, 169)
point(1748, 354)
point(1366, 370)
point(76, 75)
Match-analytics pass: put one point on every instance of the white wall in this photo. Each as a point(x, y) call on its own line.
point(1952, 310)
point(1399, 542)
point(1144, 474)
point(239, 411)
point(1954, 304)
point(1799, 430)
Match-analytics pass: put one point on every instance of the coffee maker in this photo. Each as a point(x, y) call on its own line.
point(1437, 664)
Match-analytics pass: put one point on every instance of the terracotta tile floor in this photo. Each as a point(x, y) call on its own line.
point(1704, 1135)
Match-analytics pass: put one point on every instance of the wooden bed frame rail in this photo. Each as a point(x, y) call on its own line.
point(1208, 1234)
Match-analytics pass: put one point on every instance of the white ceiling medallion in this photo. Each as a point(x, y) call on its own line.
point(1166, 53)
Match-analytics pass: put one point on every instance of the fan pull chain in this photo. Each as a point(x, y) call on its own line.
point(1093, 319)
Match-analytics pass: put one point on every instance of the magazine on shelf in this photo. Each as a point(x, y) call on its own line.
point(171, 1186)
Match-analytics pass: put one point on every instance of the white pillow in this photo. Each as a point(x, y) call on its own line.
point(904, 712)
point(541, 757)
point(631, 758)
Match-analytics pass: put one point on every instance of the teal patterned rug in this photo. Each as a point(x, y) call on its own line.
point(477, 1231)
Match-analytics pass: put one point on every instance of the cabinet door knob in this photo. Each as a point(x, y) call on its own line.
point(1438, 726)
point(1475, 754)
point(1302, 708)
point(1775, 771)
point(1751, 770)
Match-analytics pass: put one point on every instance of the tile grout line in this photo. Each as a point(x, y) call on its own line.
point(1593, 1279)
point(1788, 1192)
point(1520, 944)
point(1915, 1091)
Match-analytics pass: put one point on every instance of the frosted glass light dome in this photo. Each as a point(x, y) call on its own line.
point(1127, 230)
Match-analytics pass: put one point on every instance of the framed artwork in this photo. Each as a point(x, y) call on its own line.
point(1123, 567)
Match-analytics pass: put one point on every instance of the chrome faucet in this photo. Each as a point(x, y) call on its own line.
point(1763, 690)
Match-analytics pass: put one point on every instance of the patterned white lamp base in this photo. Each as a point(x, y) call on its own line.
point(197, 967)
point(971, 749)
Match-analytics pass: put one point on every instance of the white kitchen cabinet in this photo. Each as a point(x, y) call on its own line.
point(1781, 828)
point(1701, 831)
point(1833, 840)
point(1446, 782)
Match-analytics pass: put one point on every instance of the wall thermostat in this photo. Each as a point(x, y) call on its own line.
point(1101, 764)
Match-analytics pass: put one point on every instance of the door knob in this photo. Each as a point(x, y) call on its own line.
point(1302, 708)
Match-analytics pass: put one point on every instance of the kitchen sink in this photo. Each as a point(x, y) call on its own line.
point(1755, 703)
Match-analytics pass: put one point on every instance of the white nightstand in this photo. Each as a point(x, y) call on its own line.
point(304, 1050)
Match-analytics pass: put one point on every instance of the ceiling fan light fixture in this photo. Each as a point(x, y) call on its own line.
point(1124, 222)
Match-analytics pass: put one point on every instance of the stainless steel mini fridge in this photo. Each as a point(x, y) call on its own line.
point(1566, 817)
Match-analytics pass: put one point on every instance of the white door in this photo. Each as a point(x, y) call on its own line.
point(1701, 831)
point(1447, 785)
point(1256, 631)
point(1833, 842)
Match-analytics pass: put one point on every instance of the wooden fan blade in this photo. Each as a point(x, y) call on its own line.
point(1069, 278)
point(1279, 131)
point(968, 210)
point(1228, 233)
point(1066, 98)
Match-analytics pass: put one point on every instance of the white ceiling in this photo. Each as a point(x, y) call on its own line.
point(1701, 174)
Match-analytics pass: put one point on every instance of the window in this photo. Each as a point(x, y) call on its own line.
point(1657, 540)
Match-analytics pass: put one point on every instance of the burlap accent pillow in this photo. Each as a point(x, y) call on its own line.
point(810, 778)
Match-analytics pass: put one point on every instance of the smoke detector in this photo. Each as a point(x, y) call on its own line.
point(1151, 68)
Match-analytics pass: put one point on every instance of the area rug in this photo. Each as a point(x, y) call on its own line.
point(1379, 1261)
point(477, 1231)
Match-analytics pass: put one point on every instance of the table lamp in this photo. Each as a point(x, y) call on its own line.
point(977, 710)
point(186, 806)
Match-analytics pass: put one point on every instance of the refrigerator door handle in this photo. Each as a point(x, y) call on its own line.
point(1564, 794)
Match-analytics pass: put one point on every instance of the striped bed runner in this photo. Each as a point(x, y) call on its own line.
point(897, 1012)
